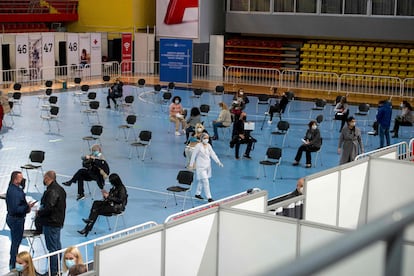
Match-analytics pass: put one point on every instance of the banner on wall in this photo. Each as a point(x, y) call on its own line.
point(176, 58)
point(177, 18)
point(126, 53)
point(72, 52)
point(48, 56)
point(22, 57)
point(35, 56)
point(96, 54)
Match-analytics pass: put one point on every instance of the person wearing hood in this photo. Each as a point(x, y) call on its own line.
point(113, 202)
point(384, 121)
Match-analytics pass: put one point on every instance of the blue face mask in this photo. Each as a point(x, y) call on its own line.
point(19, 267)
point(70, 263)
point(96, 153)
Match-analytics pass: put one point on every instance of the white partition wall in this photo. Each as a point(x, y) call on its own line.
point(216, 55)
point(22, 56)
point(96, 54)
point(144, 52)
point(48, 56)
point(72, 49)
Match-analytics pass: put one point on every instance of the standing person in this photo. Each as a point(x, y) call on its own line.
point(114, 92)
point(242, 136)
point(223, 120)
point(405, 119)
point(350, 142)
point(239, 104)
point(384, 121)
point(71, 257)
point(51, 216)
point(24, 266)
point(342, 111)
point(177, 112)
point(17, 208)
point(202, 154)
point(94, 168)
point(311, 142)
point(114, 202)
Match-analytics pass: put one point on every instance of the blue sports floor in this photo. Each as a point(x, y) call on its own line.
point(147, 180)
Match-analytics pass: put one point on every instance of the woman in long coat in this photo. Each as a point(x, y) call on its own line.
point(350, 142)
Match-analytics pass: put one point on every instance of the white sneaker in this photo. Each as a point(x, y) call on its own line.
point(269, 122)
point(177, 133)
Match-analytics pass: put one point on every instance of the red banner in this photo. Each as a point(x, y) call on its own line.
point(126, 65)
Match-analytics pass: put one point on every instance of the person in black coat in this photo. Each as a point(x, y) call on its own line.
point(114, 92)
point(94, 167)
point(113, 202)
point(241, 136)
point(51, 216)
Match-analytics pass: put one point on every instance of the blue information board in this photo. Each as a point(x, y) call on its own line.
point(176, 59)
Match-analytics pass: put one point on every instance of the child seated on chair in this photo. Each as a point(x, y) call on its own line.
point(113, 202)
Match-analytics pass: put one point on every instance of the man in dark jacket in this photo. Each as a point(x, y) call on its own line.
point(51, 216)
point(384, 121)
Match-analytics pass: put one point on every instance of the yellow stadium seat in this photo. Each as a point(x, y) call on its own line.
point(353, 49)
point(385, 58)
point(394, 66)
point(377, 65)
point(305, 47)
point(370, 50)
point(369, 58)
point(368, 65)
point(360, 57)
point(337, 49)
point(411, 53)
point(395, 52)
point(345, 49)
point(322, 47)
point(377, 58)
point(386, 51)
point(361, 50)
point(394, 59)
point(377, 72)
point(329, 48)
point(352, 57)
point(360, 64)
point(313, 47)
point(378, 50)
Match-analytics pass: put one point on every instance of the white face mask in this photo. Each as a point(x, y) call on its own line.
point(241, 93)
point(401, 105)
point(205, 141)
point(199, 129)
point(314, 126)
point(352, 123)
point(177, 101)
point(301, 190)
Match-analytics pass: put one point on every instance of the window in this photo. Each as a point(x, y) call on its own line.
point(405, 7)
point(283, 5)
point(331, 6)
point(260, 5)
point(306, 6)
point(239, 5)
point(356, 7)
point(381, 7)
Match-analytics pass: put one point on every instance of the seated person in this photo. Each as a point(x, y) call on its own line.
point(77, 269)
point(114, 92)
point(113, 202)
point(311, 142)
point(94, 168)
point(342, 111)
point(24, 266)
point(239, 104)
point(71, 257)
point(293, 210)
point(177, 113)
point(195, 118)
point(242, 136)
point(405, 119)
point(223, 120)
point(278, 107)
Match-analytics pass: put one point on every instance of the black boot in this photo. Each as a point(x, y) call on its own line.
point(85, 231)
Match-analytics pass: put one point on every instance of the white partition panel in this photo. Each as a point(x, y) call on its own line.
point(96, 54)
point(352, 183)
point(322, 199)
point(257, 204)
point(216, 55)
point(72, 49)
point(48, 56)
point(134, 256)
point(369, 261)
point(408, 257)
point(389, 187)
point(249, 244)
point(313, 237)
point(191, 247)
point(22, 56)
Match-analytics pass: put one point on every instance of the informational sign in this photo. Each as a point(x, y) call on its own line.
point(22, 57)
point(48, 56)
point(126, 64)
point(176, 58)
point(178, 18)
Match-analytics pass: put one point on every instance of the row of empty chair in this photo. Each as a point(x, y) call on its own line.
point(23, 27)
point(358, 59)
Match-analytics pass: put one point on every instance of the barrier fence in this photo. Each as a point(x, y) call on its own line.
point(236, 75)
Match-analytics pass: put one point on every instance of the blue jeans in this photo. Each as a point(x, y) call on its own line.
point(52, 238)
point(215, 126)
point(384, 132)
point(16, 226)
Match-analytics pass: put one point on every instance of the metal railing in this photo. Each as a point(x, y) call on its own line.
point(86, 248)
point(401, 150)
point(351, 84)
point(389, 228)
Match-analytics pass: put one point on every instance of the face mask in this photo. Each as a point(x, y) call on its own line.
point(23, 183)
point(19, 267)
point(205, 141)
point(177, 101)
point(301, 190)
point(96, 153)
point(401, 105)
point(241, 93)
point(352, 124)
point(70, 263)
point(199, 129)
point(314, 126)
